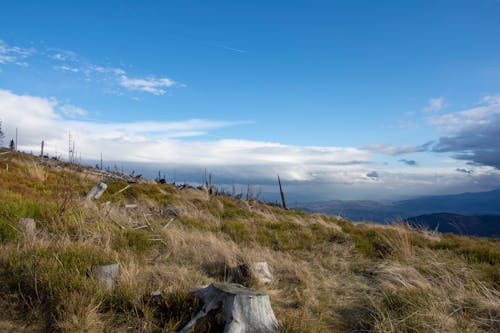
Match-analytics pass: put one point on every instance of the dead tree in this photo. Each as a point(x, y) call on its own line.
point(283, 203)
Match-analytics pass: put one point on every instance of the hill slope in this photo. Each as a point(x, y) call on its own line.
point(329, 274)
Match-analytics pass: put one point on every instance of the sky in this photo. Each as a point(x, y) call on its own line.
point(343, 99)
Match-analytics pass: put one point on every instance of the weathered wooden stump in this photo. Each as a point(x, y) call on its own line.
point(97, 191)
point(238, 309)
point(28, 226)
point(260, 271)
point(106, 275)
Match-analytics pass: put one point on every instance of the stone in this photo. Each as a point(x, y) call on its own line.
point(236, 308)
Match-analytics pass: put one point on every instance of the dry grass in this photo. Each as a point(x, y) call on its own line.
point(330, 275)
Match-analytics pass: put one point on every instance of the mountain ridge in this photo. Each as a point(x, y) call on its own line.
point(468, 203)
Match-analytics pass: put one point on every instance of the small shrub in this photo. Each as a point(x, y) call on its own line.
point(137, 240)
point(7, 231)
point(179, 308)
point(370, 243)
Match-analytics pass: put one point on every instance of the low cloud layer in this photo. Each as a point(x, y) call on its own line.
point(164, 143)
point(182, 148)
point(396, 150)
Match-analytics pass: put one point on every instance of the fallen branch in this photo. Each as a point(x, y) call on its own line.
point(147, 221)
point(159, 240)
point(117, 223)
point(140, 227)
point(166, 225)
point(123, 189)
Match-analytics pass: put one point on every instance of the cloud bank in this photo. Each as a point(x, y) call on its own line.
point(181, 147)
point(472, 134)
point(173, 143)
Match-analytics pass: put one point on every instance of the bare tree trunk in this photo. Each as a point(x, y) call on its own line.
point(283, 203)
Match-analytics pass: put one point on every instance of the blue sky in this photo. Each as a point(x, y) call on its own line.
point(345, 99)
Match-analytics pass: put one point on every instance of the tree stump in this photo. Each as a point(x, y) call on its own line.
point(106, 275)
point(97, 191)
point(260, 271)
point(238, 309)
point(28, 226)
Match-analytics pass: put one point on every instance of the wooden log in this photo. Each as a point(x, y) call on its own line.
point(238, 309)
point(130, 206)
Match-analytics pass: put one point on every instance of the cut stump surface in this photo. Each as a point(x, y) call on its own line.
point(238, 309)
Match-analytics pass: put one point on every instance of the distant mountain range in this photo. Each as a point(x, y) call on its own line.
point(473, 209)
point(483, 225)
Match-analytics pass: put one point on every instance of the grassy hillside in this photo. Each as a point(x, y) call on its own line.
point(330, 275)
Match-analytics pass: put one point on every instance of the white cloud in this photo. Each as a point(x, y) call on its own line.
point(395, 150)
point(106, 70)
point(151, 85)
point(435, 105)
point(161, 142)
point(66, 68)
point(14, 54)
point(73, 63)
point(480, 115)
point(308, 170)
point(71, 110)
point(63, 55)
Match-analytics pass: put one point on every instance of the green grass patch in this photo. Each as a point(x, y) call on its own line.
point(473, 250)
